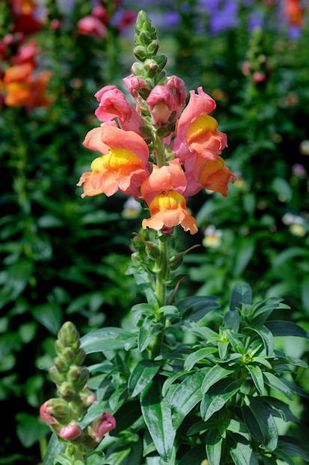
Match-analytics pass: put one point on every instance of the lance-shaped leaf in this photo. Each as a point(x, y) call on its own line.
point(213, 447)
point(185, 397)
point(215, 374)
point(241, 294)
point(158, 418)
point(242, 454)
point(142, 376)
point(107, 339)
point(264, 418)
point(195, 357)
point(217, 397)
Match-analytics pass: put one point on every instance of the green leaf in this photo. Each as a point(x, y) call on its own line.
point(264, 418)
point(215, 374)
point(142, 376)
point(267, 338)
point(49, 315)
point(158, 418)
point(278, 384)
point(186, 395)
point(242, 454)
point(241, 295)
point(195, 357)
point(232, 320)
point(213, 447)
point(263, 309)
point(243, 255)
point(107, 339)
point(169, 381)
point(196, 307)
point(257, 377)
point(292, 448)
point(55, 447)
point(285, 328)
point(193, 456)
point(217, 397)
point(30, 429)
point(280, 407)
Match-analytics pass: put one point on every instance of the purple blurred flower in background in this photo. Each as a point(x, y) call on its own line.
point(223, 15)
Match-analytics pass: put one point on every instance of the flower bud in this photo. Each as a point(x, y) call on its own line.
point(60, 364)
point(54, 411)
point(45, 414)
point(68, 334)
point(161, 104)
point(66, 391)
point(56, 376)
point(79, 357)
point(70, 431)
point(79, 376)
point(101, 426)
point(136, 85)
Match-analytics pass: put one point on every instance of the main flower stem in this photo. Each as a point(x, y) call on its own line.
point(160, 291)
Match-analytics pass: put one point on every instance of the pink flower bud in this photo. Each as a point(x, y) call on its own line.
point(134, 84)
point(90, 25)
point(70, 431)
point(161, 103)
point(178, 90)
point(45, 414)
point(258, 77)
point(101, 426)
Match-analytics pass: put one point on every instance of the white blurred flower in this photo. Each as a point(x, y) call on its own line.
point(212, 237)
point(131, 209)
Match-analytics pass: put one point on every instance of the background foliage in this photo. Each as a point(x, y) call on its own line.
point(64, 257)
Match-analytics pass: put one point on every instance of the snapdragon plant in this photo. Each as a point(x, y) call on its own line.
point(184, 381)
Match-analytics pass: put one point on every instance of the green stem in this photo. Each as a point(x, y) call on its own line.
point(161, 278)
point(160, 291)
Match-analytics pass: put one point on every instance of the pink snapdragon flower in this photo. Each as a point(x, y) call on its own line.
point(113, 104)
point(134, 84)
point(165, 99)
point(122, 165)
point(163, 191)
point(101, 426)
point(196, 131)
point(208, 174)
point(91, 26)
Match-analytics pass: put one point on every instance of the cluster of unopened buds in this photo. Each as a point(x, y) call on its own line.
point(158, 151)
point(64, 412)
point(20, 84)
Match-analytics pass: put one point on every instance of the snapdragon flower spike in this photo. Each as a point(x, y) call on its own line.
point(196, 131)
point(163, 192)
point(113, 104)
point(122, 165)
